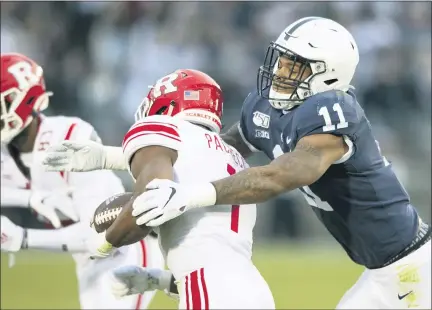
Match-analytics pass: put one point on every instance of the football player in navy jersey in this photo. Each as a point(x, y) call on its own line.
point(305, 117)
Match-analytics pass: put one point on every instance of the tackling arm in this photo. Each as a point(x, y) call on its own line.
point(311, 158)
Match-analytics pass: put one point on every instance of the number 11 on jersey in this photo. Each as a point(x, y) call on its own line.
point(324, 112)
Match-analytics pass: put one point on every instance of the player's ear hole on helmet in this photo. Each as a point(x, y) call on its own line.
point(332, 81)
point(163, 109)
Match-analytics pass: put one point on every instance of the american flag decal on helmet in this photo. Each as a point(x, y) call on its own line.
point(191, 95)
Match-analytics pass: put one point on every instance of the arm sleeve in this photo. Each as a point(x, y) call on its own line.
point(15, 197)
point(243, 129)
point(154, 130)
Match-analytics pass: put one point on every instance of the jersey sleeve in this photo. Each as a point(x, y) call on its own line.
point(330, 113)
point(157, 130)
point(244, 131)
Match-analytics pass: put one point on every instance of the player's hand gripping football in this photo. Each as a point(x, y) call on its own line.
point(130, 280)
point(11, 235)
point(46, 203)
point(75, 156)
point(165, 200)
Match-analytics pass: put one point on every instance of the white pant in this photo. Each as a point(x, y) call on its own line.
point(94, 282)
point(234, 286)
point(405, 284)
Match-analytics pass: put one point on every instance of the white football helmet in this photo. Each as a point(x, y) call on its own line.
point(319, 44)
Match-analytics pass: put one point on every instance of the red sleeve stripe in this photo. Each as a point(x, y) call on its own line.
point(151, 128)
point(67, 137)
point(149, 133)
point(153, 123)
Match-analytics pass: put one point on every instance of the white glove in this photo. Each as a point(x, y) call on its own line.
point(81, 156)
point(130, 280)
point(47, 202)
point(165, 200)
point(11, 235)
point(97, 246)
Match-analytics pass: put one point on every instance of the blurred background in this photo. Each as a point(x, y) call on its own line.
point(100, 57)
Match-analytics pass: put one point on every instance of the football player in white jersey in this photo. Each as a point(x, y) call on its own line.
point(176, 136)
point(32, 197)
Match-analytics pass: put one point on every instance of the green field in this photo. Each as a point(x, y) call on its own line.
point(299, 279)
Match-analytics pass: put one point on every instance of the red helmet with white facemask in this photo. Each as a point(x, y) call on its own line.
point(22, 93)
point(188, 94)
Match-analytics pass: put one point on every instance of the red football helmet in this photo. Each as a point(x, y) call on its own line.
point(189, 94)
point(22, 92)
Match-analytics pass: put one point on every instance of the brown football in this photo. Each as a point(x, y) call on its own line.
point(127, 231)
point(109, 210)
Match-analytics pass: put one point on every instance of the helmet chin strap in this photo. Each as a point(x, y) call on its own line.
point(281, 104)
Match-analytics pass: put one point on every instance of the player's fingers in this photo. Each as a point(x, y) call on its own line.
point(123, 272)
point(148, 216)
point(54, 161)
point(159, 220)
point(58, 148)
point(52, 217)
point(144, 204)
point(54, 157)
point(156, 222)
point(137, 211)
point(68, 211)
point(74, 146)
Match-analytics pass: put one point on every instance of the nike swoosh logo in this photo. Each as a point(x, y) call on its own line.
point(173, 192)
point(403, 296)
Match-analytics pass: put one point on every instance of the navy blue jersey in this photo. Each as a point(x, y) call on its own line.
point(359, 199)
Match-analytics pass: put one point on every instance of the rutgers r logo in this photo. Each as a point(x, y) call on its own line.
point(24, 75)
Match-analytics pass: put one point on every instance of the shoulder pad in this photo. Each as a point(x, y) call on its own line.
point(333, 112)
point(156, 130)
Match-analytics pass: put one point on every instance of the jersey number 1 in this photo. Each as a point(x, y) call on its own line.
point(324, 112)
point(235, 209)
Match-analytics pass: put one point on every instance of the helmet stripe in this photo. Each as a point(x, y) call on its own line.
point(299, 23)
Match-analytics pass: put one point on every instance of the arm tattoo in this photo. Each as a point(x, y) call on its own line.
point(233, 138)
point(299, 168)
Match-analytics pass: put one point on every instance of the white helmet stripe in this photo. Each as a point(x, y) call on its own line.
point(289, 33)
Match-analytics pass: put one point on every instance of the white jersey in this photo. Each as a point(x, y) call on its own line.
point(89, 190)
point(205, 235)
point(86, 194)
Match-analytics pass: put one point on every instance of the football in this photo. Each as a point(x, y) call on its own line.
point(108, 211)
point(126, 230)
